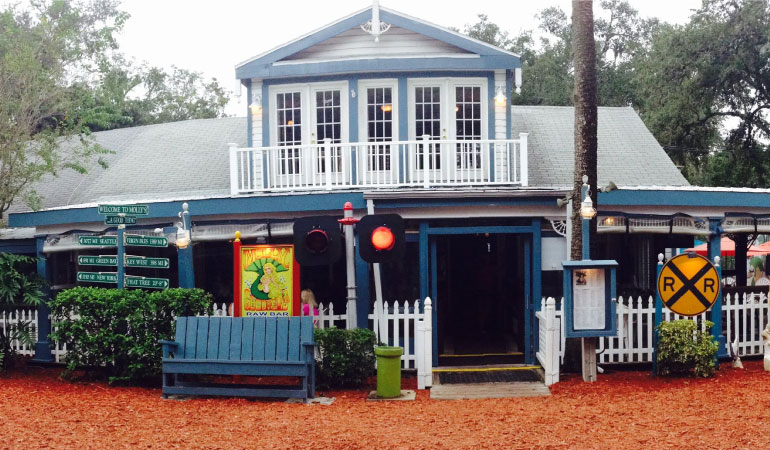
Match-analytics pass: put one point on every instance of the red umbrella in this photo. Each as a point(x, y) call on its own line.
point(728, 248)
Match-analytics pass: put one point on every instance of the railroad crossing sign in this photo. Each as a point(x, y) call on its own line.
point(146, 282)
point(688, 284)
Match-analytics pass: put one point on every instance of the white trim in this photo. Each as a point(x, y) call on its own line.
point(320, 61)
point(363, 127)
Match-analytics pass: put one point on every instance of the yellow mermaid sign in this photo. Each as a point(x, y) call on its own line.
point(267, 280)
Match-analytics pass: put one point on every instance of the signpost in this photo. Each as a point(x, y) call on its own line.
point(101, 241)
point(101, 260)
point(122, 215)
point(133, 210)
point(120, 220)
point(145, 282)
point(146, 241)
point(98, 277)
point(142, 261)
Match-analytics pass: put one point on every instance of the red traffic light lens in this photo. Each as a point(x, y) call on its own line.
point(317, 241)
point(383, 238)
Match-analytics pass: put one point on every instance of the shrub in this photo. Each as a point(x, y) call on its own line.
point(18, 288)
point(117, 331)
point(684, 349)
point(346, 357)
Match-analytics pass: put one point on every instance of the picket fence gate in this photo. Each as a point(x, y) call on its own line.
point(743, 318)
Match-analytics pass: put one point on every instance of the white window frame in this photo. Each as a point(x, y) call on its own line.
point(365, 174)
point(309, 123)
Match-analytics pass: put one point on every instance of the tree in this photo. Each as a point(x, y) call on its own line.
point(39, 56)
point(584, 51)
point(127, 95)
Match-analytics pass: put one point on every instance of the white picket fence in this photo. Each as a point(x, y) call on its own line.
point(744, 317)
point(397, 324)
point(549, 332)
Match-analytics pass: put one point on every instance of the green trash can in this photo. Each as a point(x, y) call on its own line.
point(388, 371)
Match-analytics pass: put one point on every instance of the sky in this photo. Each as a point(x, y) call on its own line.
point(213, 36)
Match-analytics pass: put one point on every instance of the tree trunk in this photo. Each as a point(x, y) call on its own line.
point(584, 57)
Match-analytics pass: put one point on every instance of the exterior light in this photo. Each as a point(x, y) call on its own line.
point(500, 97)
point(256, 105)
point(182, 238)
point(382, 238)
point(317, 241)
point(587, 210)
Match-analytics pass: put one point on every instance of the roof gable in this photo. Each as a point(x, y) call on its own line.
point(454, 44)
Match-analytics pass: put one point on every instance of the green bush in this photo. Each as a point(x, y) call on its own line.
point(19, 288)
point(117, 331)
point(346, 357)
point(684, 349)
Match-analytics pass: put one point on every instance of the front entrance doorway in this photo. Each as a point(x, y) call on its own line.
point(480, 281)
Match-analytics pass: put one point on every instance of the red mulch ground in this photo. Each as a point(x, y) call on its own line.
point(622, 410)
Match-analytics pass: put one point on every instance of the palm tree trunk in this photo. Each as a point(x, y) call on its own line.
point(584, 57)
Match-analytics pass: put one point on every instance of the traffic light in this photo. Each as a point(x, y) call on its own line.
point(381, 237)
point(317, 240)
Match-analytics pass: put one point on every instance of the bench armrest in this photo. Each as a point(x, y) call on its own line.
point(168, 346)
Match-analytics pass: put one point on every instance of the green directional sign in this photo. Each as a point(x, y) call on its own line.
point(98, 277)
point(98, 260)
point(147, 283)
point(146, 241)
point(103, 241)
point(141, 261)
point(131, 210)
point(119, 220)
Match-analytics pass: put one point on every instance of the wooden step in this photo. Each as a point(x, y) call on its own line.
point(488, 390)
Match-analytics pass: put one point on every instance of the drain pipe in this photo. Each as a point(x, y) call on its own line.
point(376, 270)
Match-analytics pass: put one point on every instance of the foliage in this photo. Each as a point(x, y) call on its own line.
point(684, 349)
point(702, 88)
point(17, 288)
point(126, 95)
point(40, 52)
point(347, 357)
point(117, 330)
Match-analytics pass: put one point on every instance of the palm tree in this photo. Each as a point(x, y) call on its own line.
point(584, 57)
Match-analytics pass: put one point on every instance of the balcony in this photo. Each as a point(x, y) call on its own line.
point(424, 163)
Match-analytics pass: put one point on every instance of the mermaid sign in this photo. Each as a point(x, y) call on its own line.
point(266, 280)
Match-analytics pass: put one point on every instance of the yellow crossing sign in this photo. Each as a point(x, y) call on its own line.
point(688, 284)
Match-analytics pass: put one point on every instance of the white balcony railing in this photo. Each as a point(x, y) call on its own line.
point(423, 163)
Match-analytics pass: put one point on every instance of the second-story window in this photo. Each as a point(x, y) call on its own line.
point(379, 121)
point(328, 111)
point(468, 126)
point(289, 111)
point(427, 115)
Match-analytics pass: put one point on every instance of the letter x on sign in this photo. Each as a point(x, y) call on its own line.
point(688, 284)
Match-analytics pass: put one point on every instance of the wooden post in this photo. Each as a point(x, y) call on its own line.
point(589, 359)
point(237, 309)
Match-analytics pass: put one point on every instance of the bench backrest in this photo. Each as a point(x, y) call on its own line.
point(243, 338)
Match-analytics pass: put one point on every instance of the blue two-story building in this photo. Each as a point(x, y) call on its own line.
point(395, 115)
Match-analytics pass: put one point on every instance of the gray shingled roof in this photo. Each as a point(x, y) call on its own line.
point(154, 161)
point(628, 153)
point(189, 159)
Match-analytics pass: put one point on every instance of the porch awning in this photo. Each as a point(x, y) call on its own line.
point(728, 249)
point(618, 222)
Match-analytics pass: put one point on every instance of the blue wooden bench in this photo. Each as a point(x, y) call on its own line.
point(251, 346)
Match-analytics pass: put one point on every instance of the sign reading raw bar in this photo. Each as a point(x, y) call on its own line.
point(269, 280)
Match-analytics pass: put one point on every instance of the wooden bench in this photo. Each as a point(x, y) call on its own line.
point(251, 346)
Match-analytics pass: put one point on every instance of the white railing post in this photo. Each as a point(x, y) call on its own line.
point(524, 166)
point(328, 163)
point(425, 161)
point(233, 168)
